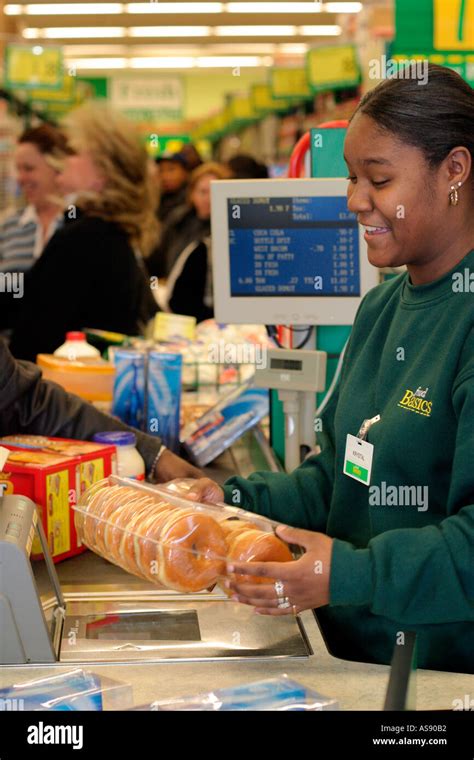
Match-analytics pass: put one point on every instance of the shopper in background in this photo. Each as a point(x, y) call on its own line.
point(397, 555)
point(243, 166)
point(91, 273)
point(24, 233)
point(29, 404)
point(173, 177)
point(191, 155)
point(189, 286)
point(190, 223)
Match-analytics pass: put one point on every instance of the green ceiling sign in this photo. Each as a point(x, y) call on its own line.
point(445, 26)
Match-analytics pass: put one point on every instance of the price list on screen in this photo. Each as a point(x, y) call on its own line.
point(305, 246)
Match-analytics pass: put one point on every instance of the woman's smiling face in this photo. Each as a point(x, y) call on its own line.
point(396, 195)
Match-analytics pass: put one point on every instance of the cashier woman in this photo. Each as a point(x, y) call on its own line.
point(377, 563)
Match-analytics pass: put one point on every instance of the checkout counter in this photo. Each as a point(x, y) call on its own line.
point(170, 645)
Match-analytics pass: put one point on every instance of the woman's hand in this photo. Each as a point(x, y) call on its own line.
point(205, 489)
point(305, 581)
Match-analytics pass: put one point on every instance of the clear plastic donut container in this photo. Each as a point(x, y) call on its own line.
point(157, 534)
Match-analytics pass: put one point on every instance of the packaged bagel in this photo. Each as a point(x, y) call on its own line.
point(154, 532)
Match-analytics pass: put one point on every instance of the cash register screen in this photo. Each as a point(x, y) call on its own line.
point(302, 246)
point(287, 252)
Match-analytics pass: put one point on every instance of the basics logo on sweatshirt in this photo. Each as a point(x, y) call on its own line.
point(415, 401)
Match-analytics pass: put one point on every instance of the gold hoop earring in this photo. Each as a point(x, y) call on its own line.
point(454, 195)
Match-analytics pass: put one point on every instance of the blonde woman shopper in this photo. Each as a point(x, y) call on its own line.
point(91, 273)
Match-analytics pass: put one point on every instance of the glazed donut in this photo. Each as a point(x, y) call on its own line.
point(110, 515)
point(93, 509)
point(117, 526)
point(192, 551)
point(130, 519)
point(256, 546)
point(181, 549)
point(140, 547)
point(232, 527)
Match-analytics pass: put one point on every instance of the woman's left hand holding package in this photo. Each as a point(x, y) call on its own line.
point(292, 586)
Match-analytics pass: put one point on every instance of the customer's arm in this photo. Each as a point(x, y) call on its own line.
point(29, 404)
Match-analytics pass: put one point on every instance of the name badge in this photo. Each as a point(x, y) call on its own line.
point(358, 459)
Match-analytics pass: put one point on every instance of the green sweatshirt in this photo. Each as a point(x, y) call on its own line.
point(402, 559)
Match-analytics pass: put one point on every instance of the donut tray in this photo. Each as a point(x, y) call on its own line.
point(155, 533)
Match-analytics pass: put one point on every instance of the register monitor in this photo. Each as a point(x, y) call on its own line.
point(287, 251)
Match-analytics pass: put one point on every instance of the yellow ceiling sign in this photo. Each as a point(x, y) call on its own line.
point(66, 94)
point(241, 108)
point(28, 67)
point(263, 101)
point(289, 83)
point(454, 24)
point(334, 66)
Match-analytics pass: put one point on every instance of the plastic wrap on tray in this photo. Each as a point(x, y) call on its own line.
point(157, 534)
point(74, 690)
point(281, 694)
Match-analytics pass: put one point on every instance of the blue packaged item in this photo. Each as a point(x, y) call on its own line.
point(129, 387)
point(222, 425)
point(74, 690)
point(164, 397)
point(281, 694)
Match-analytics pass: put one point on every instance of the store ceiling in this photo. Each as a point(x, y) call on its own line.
point(176, 34)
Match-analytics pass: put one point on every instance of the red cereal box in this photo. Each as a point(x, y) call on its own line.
point(53, 472)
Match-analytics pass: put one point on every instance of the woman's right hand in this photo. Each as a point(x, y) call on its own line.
point(205, 490)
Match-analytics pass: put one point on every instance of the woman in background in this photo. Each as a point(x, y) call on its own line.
point(24, 233)
point(188, 223)
point(91, 273)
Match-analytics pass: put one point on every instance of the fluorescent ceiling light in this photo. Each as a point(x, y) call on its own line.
point(64, 9)
point(342, 7)
point(320, 31)
point(97, 63)
point(170, 31)
point(175, 50)
point(270, 7)
point(255, 31)
point(161, 63)
point(223, 61)
point(93, 50)
point(293, 47)
point(78, 32)
point(172, 8)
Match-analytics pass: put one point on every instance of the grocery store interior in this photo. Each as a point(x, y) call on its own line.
point(236, 238)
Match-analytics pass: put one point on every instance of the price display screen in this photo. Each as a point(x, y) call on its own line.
point(305, 246)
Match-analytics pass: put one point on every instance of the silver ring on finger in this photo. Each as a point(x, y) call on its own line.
point(279, 589)
point(284, 603)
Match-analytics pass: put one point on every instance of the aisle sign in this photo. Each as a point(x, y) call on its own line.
point(462, 64)
point(453, 25)
point(64, 95)
point(25, 69)
point(289, 83)
point(438, 25)
point(333, 67)
point(263, 101)
point(242, 108)
point(146, 98)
